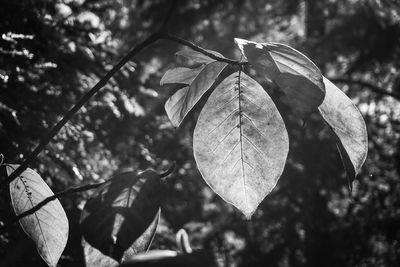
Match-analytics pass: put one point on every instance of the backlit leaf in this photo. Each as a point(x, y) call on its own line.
point(180, 75)
point(295, 74)
point(119, 212)
point(197, 56)
point(179, 104)
point(94, 258)
point(48, 227)
point(240, 142)
point(348, 124)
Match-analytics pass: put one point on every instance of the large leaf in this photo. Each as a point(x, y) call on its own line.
point(294, 73)
point(94, 258)
point(179, 104)
point(119, 212)
point(240, 142)
point(180, 75)
point(198, 57)
point(348, 124)
point(48, 227)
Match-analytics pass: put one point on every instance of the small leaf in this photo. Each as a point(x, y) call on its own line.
point(348, 124)
point(48, 227)
point(197, 56)
point(179, 104)
point(94, 258)
point(119, 212)
point(180, 75)
point(240, 142)
point(295, 74)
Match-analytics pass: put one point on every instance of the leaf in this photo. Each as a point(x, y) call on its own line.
point(240, 142)
point(348, 124)
point(94, 258)
point(119, 212)
point(180, 75)
point(197, 56)
point(295, 74)
point(47, 227)
point(179, 104)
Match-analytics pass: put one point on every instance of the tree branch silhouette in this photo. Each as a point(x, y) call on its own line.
point(363, 83)
point(160, 34)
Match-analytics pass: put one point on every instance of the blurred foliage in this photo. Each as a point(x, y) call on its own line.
point(52, 52)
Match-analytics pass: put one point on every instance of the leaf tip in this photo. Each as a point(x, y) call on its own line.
point(239, 41)
point(248, 214)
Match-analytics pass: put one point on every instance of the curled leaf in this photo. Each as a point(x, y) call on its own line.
point(295, 74)
point(48, 227)
point(240, 142)
point(349, 127)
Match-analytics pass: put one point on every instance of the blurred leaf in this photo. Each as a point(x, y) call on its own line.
point(348, 124)
point(116, 217)
point(169, 258)
point(180, 75)
point(94, 258)
point(179, 104)
point(240, 142)
point(294, 73)
point(48, 227)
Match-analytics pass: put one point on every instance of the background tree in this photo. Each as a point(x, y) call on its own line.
point(51, 52)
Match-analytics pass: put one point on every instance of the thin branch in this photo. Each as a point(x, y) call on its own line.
point(371, 86)
point(160, 34)
point(100, 84)
point(201, 50)
point(49, 199)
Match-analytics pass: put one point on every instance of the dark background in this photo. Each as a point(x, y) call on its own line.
point(52, 52)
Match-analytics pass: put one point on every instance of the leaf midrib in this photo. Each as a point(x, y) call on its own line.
point(37, 218)
point(241, 143)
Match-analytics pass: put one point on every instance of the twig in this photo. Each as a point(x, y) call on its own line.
point(160, 34)
point(32, 156)
point(371, 86)
point(49, 199)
